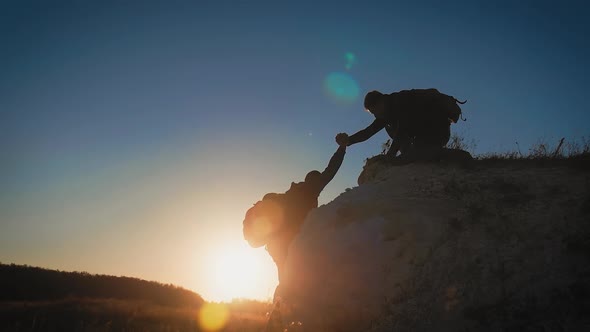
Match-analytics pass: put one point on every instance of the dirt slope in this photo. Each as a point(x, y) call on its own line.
point(494, 246)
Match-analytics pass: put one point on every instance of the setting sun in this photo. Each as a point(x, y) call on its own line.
point(239, 271)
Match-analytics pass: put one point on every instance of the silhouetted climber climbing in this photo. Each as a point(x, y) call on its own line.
point(415, 119)
point(276, 219)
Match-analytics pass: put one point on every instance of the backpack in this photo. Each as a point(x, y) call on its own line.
point(278, 213)
point(431, 100)
point(263, 220)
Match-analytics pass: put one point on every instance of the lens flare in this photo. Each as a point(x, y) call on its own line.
point(350, 60)
point(341, 88)
point(213, 316)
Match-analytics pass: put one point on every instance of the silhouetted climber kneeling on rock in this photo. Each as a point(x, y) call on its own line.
point(276, 219)
point(417, 120)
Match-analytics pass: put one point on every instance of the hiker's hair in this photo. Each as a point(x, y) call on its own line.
point(372, 98)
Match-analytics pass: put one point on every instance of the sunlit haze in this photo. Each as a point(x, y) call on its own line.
point(240, 272)
point(134, 136)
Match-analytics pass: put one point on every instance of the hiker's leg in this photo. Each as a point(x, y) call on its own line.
point(400, 141)
point(394, 147)
point(428, 148)
point(278, 252)
point(275, 321)
point(444, 135)
point(278, 291)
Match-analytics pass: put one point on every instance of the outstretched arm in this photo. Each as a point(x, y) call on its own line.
point(366, 133)
point(332, 168)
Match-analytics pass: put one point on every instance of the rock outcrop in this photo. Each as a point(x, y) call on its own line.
point(488, 246)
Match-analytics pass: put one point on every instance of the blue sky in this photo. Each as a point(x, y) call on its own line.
point(131, 128)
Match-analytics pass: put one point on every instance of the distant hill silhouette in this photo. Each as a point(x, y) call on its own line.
point(26, 283)
point(36, 299)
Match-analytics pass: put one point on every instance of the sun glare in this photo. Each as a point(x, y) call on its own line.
point(213, 316)
point(241, 272)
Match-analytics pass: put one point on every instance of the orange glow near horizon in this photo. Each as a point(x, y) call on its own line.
point(239, 271)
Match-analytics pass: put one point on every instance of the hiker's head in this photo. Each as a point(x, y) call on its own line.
point(375, 103)
point(313, 176)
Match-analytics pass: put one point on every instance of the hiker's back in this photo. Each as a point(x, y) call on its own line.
point(299, 200)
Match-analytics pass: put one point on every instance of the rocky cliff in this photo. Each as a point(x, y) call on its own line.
point(484, 246)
